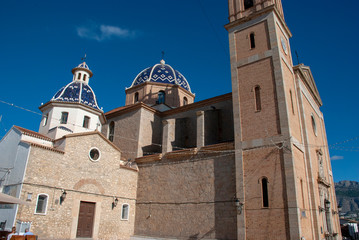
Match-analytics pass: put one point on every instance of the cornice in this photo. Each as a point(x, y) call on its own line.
point(149, 158)
point(129, 108)
point(133, 89)
point(257, 14)
point(30, 133)
point(90, 133)
point(70, 104)
point(44, 147)
point(128, 168)
point(199, 104)
point(313, 92)
point(125, 109)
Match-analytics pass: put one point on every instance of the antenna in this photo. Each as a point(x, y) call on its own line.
point(163, 54)
point(296, 53)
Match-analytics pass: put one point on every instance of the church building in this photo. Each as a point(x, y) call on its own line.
point(251, 164)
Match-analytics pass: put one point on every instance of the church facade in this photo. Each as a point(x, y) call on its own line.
point(251, 164)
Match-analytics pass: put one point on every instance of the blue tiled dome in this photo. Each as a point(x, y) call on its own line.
point(161, 73)
point(77, 92)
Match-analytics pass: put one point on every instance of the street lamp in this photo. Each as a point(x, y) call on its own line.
point(63, 196)
point(239, 205)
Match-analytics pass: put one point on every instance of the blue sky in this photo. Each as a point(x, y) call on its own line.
point(41, 41)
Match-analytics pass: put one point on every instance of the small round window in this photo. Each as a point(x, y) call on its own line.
point(94, 154)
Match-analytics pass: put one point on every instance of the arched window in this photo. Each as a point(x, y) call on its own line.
point(84, 78)
point(257, 96)
point(125, 211)
point(265, 192)
point(185, 101)
point(79, 76)
point(248, 4)
point(86, 122)
point(161, 97)
point(64, 117)
point(46, 117)
point(314, 125)
point(136, 97)
point(41, 204)
point(302, 190)
point(111, 131)
point(291, 100)
point(252, 40)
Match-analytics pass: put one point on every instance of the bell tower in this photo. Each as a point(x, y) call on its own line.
point(276, 109)
point(262, 77)
point(243, 8)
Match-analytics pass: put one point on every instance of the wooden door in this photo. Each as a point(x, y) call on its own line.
point(86, 219)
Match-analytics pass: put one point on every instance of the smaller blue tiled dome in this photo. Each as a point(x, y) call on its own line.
point(162, 73)
point(77, 92)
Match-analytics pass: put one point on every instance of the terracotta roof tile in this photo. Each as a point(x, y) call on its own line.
point(117, 109)
point(45, 147)
point(33, 134)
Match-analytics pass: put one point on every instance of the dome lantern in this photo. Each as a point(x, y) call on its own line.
point(82, 73)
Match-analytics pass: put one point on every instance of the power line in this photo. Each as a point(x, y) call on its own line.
point(25, 109)
point(345, 141)
point(213, 28)
point(331, 146)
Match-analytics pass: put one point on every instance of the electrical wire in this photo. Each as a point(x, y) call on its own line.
point(331, 146)
point(213, 28)
point(25, 109)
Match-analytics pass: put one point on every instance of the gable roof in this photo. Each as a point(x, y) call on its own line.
point(90, 133)
point(44, 147)
point(121, 110)
point(33, 134)
point(206, 102)
point(307, 77)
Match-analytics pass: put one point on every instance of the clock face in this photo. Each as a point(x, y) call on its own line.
point(284, 45)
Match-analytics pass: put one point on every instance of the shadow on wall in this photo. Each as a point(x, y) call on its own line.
point(225, 190)
point(196, 236)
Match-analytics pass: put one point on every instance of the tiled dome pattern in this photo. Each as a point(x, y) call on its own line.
point(161, 73)
point(77, 92)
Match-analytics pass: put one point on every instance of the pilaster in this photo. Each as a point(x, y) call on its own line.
point(200, 129)
point(168, 135)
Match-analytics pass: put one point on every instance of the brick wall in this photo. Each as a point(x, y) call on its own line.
point(258, 124)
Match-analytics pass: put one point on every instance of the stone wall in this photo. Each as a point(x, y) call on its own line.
point(126, 134)
point(218, 123)
point(187, 196)
point(49, 172)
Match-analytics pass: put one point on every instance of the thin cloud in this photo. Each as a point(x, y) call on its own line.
point(333, 158)
point(104, 32)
